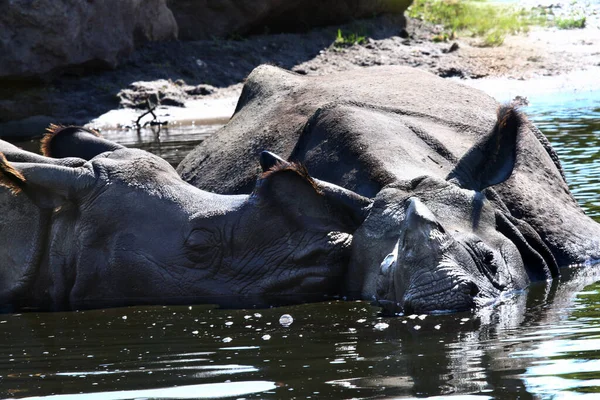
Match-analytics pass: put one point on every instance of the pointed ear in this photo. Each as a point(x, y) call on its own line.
point(47, 185)
point(491, 160)
point(74, 141)
point(268, 160)
point(310, 203)
point(351, 207)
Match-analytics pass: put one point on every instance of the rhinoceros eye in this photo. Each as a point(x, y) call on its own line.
point(488, 257)
point(201, 246)
point(199, 238)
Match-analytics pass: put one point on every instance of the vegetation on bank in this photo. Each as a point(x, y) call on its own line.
point(492, 22)
point(348, 39)
point(570, 22)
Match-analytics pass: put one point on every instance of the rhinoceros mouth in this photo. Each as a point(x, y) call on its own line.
point(440, 289)
point(447, 291)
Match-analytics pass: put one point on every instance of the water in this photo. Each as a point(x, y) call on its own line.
point(542, 343)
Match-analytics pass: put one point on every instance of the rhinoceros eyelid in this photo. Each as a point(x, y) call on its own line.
point(201, 238)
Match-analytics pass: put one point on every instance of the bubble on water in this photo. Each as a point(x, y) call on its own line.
point(286, 320)
point(195, 332)
point(381, 326)
point(360, 321)
point(437, 327)
point(266, 337)
point(422, 316)
point(257, 315)
point(417, 327)
point(227, 339)
point(229, 323)
point(413, 316)
point(464, 319)
point(124, 317)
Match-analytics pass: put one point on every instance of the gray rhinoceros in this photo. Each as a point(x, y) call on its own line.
point(428, 150)
point(118, 226)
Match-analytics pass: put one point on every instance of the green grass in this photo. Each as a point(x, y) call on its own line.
point(348, 39)
point(571, 22)
point(491, 22)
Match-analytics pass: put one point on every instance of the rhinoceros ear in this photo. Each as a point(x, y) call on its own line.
point(269, 160)
point(491, 160)
point(290, 190)
point(74, 141)
point(47, 185)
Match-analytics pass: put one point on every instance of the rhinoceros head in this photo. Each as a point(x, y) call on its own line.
point(125, 229)
point(451, 247)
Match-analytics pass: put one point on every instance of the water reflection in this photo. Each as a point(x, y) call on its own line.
point(573, 128)
point(171, 142)
point(332, 350)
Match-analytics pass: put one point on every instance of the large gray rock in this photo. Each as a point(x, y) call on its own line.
point(38, 36)
point(217, 18)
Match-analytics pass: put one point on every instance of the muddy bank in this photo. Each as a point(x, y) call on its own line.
point(202, 79)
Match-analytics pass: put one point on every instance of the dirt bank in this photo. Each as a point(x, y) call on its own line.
point(194, 74)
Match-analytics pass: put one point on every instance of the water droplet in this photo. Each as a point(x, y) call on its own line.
point(229, 323)
point(227, 339)
point(464, 319)
point(381, 326)
point(437, 327)
point(286, 320)
point(124, 317)
point(266, 337)
point(195, 332)
point(417, 327)
point(257, 315)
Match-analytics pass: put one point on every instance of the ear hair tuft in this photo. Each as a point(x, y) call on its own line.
point(297, 168)
point(10, 177)
point(509, 117)
point(54, 130)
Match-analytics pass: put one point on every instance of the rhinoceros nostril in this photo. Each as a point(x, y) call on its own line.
point(473, 289)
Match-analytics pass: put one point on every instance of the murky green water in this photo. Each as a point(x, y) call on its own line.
point(542, 343)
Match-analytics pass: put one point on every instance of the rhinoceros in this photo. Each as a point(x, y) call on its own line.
point(470, 199)
point(104, 225)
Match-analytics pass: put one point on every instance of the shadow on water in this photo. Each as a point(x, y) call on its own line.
point(541, 343)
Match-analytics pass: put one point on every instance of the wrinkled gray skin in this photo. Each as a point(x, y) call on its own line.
point(425, 148)
point(122, 228)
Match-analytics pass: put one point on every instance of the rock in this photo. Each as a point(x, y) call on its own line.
point(200, 90)
point(220, 18)
point(37, 37)
point(452, 48)
point(160, 92)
